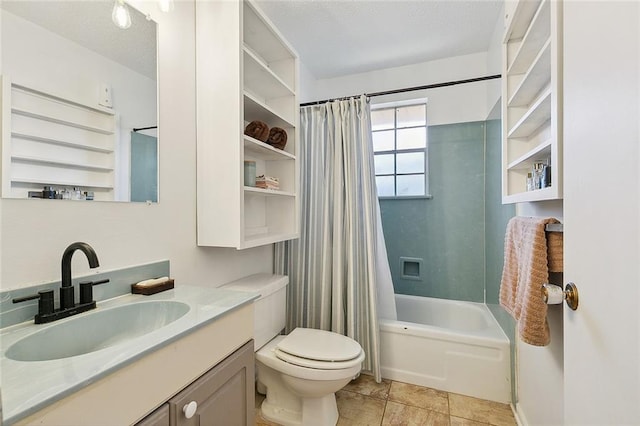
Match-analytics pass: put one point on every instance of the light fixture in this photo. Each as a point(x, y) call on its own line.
point(120, 15)
point(166, 5)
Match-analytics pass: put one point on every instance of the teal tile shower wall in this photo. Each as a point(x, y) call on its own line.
point(447, 231)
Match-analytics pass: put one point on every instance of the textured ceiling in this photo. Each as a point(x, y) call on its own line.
point(89, 24)
point(335, 38)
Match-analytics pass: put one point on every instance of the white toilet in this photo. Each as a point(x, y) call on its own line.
point(299, 372)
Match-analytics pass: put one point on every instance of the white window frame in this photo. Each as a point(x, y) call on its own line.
point(395, 151)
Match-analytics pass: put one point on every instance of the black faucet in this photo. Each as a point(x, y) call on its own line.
point(68, 307)
point(66, 291)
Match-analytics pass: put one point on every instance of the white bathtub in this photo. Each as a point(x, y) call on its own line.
point(447, 345)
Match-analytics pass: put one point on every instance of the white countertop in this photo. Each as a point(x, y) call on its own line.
point(30, 386)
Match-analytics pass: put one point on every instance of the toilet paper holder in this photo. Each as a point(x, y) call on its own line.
point(554, 295)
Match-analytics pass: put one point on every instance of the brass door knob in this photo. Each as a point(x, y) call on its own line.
point(553, 295)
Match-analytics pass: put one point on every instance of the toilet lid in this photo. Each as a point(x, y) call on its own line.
point(317, 346)
point(318, 365)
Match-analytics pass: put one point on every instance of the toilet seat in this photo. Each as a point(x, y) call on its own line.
point(318, 349)
point(267, 356)
point(315, 364)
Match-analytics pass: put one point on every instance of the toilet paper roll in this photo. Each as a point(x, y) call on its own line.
point(553, 294)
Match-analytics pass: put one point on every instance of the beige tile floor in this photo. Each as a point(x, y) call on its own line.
point(365, 402)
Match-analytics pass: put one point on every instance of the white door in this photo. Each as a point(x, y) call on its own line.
point(601, 214)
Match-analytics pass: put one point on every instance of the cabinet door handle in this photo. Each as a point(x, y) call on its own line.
point(190, 409)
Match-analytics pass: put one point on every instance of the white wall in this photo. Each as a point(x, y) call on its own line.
point(452, 104)
point(540, 371)
point(306, 82)
point(34, 233)
point(494, 62)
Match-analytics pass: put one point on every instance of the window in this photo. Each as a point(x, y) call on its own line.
point(400, 150)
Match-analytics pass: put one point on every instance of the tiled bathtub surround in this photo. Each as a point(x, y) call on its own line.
point(446, 231)
point(365, 402)
point(460, 231)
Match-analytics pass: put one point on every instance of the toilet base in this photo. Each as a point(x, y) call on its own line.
point(284, 406)
point(298, 395)
point(321, 412)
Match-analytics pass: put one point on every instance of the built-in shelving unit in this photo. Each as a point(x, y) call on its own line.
point(257, 82)
point(531, 99)
point(51, 140)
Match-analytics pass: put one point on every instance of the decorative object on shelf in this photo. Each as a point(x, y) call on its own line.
point(257, 129)
point(62, 194)
point(277, 138)
point(540, 176)
point(249, 173)
point(49, 192)
point(267, 182)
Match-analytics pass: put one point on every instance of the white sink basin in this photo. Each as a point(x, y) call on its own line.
point(96, 330)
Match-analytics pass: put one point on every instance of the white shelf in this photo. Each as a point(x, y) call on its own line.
point(262, 80)
point(264, 239)
point(62, 143)
point(535, 195)
point(531, 98)
point(263, 37)
point(520, 22)
point(58, 121)
point(264, 151)
point(258, 82)
point(538, 153)
point(49, 139)
point(58, 183)
point(268, 192)
point(254, 109)
point(536, 78)
point(536, 116)
point(50, 162)
point(533, 40)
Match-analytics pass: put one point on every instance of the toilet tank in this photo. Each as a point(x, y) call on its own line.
point(270, 308)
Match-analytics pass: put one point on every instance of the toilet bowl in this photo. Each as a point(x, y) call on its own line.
point(300, 389)
point(299, 373)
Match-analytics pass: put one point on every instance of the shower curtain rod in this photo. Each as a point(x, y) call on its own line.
point(409, 89)
point(144, 128)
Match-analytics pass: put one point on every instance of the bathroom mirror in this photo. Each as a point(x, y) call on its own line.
point(79, 102)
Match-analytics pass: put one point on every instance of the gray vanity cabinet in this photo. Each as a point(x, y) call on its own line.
point(160, 417)
point(224, 395)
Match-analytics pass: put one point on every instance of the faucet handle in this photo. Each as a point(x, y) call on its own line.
point(25, 298)
point(45, 302)
point(86, 290)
